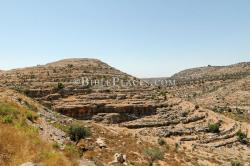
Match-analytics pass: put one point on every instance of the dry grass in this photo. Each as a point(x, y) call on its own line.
point(15, 146)
point(20, 143)
point(19, 146)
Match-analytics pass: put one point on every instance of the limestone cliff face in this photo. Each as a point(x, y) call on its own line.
point(88, 111)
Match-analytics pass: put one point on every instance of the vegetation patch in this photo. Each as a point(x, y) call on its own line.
point(161, 141)
point(213, 127)
point(8, 112)
point(236, 163)
point(153, 154)
point(78, 132)
point(60, 86)
point(242, 136)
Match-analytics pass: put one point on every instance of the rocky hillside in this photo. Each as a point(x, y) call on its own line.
point(214, 71)
point(224, 89)
point(69, 72)
point(136, 125)
point(56, 85)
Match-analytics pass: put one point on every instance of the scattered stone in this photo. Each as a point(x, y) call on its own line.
point(119, 159)
point(101, 143)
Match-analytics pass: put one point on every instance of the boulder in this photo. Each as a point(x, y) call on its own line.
point(119, 159)
point(101, 143)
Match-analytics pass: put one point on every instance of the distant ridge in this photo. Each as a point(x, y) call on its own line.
point(213, 71)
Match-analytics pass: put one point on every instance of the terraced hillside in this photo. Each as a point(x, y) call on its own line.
point(192, 128)
point(183, 123)
point(222, 89)
point(59, 86)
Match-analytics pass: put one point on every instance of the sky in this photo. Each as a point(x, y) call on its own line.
point(144, 38)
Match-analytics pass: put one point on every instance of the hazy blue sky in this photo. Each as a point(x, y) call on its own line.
point(144, 38)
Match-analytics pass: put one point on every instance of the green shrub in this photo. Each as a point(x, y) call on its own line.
point(154, 154)
point(236, 163)
point(60, 86)
point(8, 119)
point(214, 128)
point(161, 141)
point(241, 136)
point(177, 146)
point(70, 65)
point(78, 132)
point(8, 113)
